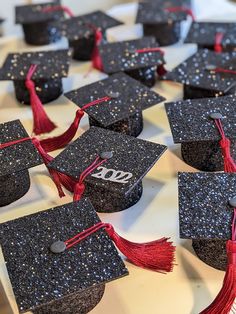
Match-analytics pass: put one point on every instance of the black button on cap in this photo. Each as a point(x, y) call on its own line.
point(58, 247)
point(35, 62)
point(216, 115)
point(232, 201)
point(112, 94)
point(106, 155)
point(210, 67)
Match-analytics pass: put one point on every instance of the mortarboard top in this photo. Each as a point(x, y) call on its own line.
point(50, 65)
point(170, 3)
point(83, 26)
point(20, 156)
point(46, 282)
point(128, 97)
point(129, 155)
point(204, 208)
point(197, 71)
point(190, 119)
point(204, 34)
point(33, 13)
point(122, 56)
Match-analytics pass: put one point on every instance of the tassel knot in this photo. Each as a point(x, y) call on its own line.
point(79, 190)
point(29, 84)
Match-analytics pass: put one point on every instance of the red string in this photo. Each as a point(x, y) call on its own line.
point(222, 70)
point(80, 187)
point(181, 9)
point(59, 8)
point(144, 50)
point(4, 145)
point(229, 164)
point(218, 42)
point(42, 123)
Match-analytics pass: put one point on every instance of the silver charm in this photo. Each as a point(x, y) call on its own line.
point(112, 175)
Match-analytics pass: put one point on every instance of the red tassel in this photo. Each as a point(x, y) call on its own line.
point(156, 255)
point(226, 297)
point(57, 142)
point(96, 58)
point(161, 70)
point(218, 42)
point(181, 9)
point(42, 123)
point(78, 191)
point(58, 8)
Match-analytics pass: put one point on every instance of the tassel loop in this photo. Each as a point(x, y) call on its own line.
point(42, 123)
point(218, 42)
point(55, 8)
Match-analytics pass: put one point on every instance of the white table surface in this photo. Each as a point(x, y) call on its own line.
point(193, 284)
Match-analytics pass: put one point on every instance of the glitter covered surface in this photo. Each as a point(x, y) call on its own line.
point(81, 26)
point(204, 34)
point(122, 56)
point(190, 122)
point(20, 156)
point(50, 65)
point(153, 13)
point(130, 154)
point(26, 14)
point(193, 71)
point(170, 3)
point(54, 276)
point(204, 209)
point(133, 97)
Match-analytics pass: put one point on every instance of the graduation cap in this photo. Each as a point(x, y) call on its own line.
point(206, 74)
point(82, 31)
point(1, 28)
point(37, 78)
point(15, 162)
point(108, 167)
point(207, 215)
point(162, 20)
point(46, 282)
point(139, 58)
point(37, 23)
point(206, 129)
point(171, 3)
point(215, 36)
point(122, 111)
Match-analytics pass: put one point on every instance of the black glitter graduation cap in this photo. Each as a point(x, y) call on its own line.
point(15, 162)
point(206, 74)
point(215, 36)
point(123, 112)
point(171, 3)
point(70, 282)
point(116, 185)
point(192, 125)
point(162, 20)
point(138, 58)
point(80, 32)
point(37, 24)
point(37, 78)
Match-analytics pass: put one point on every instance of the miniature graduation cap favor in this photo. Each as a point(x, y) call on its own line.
point(207, 213)
point(139, 58)
point(37, 78)
point(206, 74)
point(115, 103)
point(65, 267)
point(214, 36)
point(37, 22)
point(206, 129)
point(108, 167)
point(163, 20)
point(15, 161)
point(85, 32)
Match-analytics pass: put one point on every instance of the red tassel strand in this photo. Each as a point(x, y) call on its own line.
point(156, 255)
point(181, 9)
point(218, 42)
point(96, 58)
point(42, 123)
point(80, 187)
point(223, 303)
point(229, 164)
point(59, 8)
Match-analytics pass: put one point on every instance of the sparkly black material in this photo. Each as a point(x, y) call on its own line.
point(121, 114)
point(15, 161)
point(204, 34)
point(37, 25)
point(52, 66)
point(196, 131)
point(79, 31)
point(122, 56)
point(130, 155)
point(205, 214)
point(171, 3)
point(157, 22)
point(45, 282)
point(1, 28)
point(200, 82)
